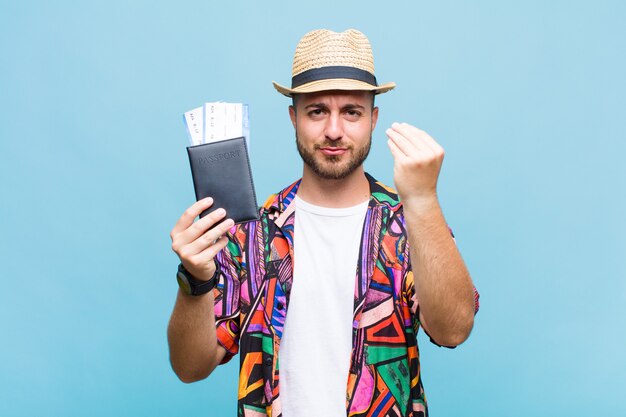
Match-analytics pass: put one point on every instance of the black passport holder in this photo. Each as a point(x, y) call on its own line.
point(221, 170)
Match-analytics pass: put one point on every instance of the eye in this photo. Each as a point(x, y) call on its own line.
point(315, 112)
point(353, 114)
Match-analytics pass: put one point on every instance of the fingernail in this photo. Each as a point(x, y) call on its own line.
point(395, 124)
point(220, 212)
point(229, 223)
point(208, 200)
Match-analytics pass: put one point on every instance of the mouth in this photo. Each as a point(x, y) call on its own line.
point(333, 151)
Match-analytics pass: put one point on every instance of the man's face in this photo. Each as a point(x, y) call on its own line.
point(334, 130)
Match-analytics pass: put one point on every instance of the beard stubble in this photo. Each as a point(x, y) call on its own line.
point(331, 167)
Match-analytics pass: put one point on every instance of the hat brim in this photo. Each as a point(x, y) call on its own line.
point(333, 84)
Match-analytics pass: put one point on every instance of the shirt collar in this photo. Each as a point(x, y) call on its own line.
point(280, 204)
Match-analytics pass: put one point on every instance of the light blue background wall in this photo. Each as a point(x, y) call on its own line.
point(527, 98)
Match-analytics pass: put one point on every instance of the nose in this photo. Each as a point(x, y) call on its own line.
point(334, 127)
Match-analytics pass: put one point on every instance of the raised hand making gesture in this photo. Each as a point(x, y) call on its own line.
point(445, 293)
point(418, 160)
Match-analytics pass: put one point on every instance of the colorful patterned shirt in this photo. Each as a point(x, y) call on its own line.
point(252, 299)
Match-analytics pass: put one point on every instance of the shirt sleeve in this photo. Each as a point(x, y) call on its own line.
point(227, 295)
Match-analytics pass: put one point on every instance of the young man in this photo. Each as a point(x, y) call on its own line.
point(324, 295)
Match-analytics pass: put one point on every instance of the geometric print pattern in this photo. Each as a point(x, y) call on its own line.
point(252, 299)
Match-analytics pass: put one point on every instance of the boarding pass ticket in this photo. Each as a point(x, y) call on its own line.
point(217, 121)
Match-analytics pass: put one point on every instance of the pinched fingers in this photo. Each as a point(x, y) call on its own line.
point(414, 143)
point(423, 137)
point(402, 143)
point(395, 150)
point(406, 142)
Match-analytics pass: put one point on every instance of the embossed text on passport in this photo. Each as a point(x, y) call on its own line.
point(211, 159)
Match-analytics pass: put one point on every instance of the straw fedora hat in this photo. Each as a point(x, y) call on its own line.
point(327, 60)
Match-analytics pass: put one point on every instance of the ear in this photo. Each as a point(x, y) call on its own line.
point(292, 115)
point(374, 117)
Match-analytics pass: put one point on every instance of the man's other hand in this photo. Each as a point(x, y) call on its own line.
point(417, 162)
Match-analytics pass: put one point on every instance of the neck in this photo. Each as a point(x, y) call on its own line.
point(346, 192)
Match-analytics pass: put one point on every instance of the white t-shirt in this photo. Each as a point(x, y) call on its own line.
point(315, 348)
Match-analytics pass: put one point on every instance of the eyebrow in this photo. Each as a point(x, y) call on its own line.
point(316, 106)
point(348, 106)
point(352, 106)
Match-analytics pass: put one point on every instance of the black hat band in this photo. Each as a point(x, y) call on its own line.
point(326, 73)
